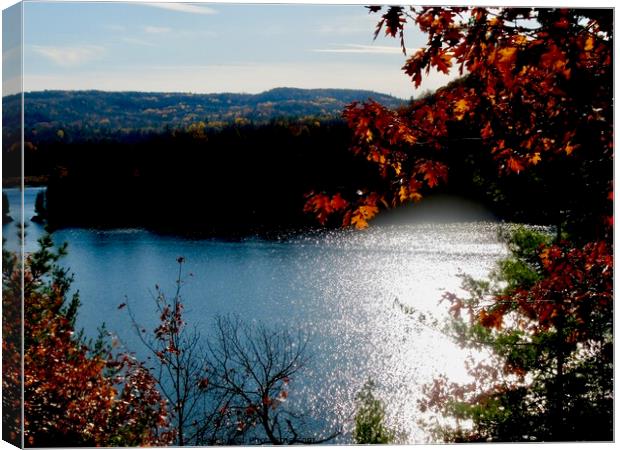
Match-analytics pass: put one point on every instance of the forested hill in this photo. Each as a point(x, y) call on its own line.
point(125, 111)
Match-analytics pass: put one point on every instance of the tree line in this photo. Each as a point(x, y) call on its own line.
point(88, 114)
point(253, 178)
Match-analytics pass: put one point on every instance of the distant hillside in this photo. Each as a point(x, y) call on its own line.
point(100, 111)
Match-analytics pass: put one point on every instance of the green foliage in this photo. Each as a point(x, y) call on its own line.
point(523, 268)
point(370, 425)
point(544, 322)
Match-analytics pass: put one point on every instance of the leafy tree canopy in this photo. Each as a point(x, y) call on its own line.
point(537, 92)
point(544, 320)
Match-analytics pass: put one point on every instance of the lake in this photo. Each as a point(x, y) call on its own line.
point(343, 288)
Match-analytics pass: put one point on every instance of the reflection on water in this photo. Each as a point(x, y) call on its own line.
point(339, 287)
point(10, 231)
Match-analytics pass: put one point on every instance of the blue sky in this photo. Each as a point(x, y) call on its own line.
point(210, 47)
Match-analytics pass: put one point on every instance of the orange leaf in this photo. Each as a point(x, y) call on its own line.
point(358, 221)
point(433, 172)
point(507, 55)
point(369, 211)
point(442, 61)
point(403, 195)
point(514, 165)
point(535, 158)
point(362, 215)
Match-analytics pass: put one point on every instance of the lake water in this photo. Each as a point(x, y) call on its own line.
point(339, 287)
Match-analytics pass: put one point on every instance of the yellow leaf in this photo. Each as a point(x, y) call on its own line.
point(589, 45)
point(409, 138)
point(507, 55)
point(460, 108)
point(362, 214)
point(397, 168)
point(535, 158)
point(368, 211)
point(403, 194)
point(359, 222)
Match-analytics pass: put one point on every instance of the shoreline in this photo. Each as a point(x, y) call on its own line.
point(29, 181)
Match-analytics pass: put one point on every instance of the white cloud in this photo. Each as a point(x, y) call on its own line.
point(183, 7)
point(372, 49)
point(69, 56)
point(156, 30)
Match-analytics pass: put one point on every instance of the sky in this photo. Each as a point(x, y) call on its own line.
point(209, 47)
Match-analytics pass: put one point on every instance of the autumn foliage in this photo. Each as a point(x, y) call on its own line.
point(538, 87)
point(536, 92)
point(75, 393)
point(545, 323)
point(536, 96)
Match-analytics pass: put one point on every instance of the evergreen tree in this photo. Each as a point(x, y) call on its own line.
point(75, 393)
point(370, 425)
point(544, 322)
